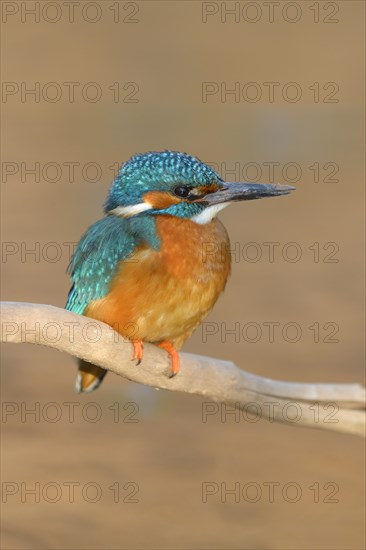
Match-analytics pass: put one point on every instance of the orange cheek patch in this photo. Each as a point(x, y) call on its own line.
point(204, 190)
point(160, 199)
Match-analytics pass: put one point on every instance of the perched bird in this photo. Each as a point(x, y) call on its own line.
point(155, 265)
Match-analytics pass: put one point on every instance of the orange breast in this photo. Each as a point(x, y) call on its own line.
point(164, 294)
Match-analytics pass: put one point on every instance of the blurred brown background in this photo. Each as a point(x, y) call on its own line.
point(168, 51)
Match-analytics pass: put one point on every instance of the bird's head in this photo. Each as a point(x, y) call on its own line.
point(177, 184)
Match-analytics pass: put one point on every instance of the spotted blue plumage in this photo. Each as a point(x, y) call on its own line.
point(112, 239)
point(160, 171)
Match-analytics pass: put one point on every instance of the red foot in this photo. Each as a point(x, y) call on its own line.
point(168, 346)
point(138, 351)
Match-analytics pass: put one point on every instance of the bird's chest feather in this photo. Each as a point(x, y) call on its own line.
point(164, 294)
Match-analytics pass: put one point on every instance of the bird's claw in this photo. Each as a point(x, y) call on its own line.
point(169, 348)
point(138, 351)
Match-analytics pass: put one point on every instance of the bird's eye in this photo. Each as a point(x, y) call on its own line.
point(181, 191)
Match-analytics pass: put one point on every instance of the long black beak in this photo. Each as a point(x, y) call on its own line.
point(245, 192)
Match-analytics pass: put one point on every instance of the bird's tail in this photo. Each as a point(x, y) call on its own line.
point(89, 377)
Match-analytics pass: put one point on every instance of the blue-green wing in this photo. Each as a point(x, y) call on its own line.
point(96, 259)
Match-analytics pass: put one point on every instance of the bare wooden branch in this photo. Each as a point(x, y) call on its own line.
point(338, 407)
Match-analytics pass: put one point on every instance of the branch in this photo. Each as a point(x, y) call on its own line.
point(338, 407)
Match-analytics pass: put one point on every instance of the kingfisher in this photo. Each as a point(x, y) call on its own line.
point(153, 267)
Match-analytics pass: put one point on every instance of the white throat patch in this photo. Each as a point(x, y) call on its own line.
point(209, 213)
